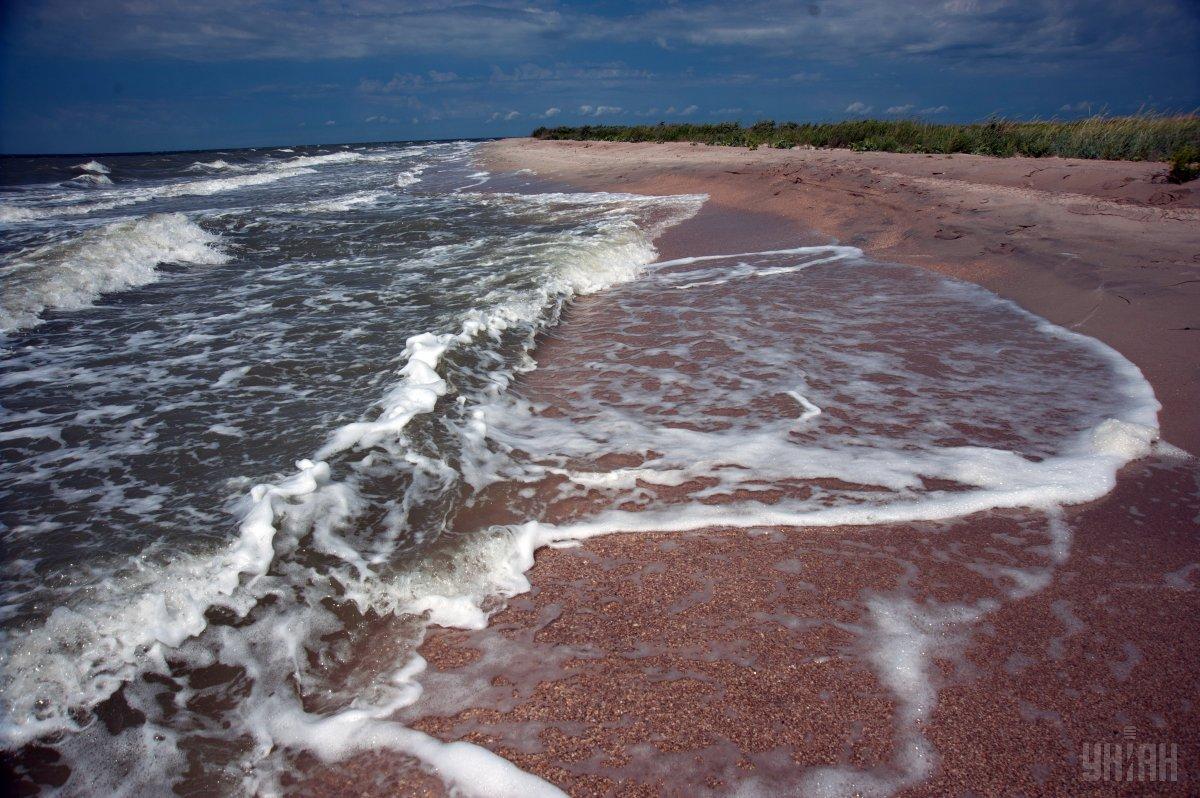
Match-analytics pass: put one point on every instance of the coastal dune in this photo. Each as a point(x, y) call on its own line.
point(996, 652)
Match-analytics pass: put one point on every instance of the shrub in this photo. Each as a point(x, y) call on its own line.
point(1185, 164)
point(1144, 137)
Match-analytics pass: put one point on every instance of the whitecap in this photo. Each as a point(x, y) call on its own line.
point(93, 166)
point(72, 274)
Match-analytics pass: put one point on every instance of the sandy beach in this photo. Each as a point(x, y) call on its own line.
point(719, 660)
point(1107, 248)
point(532, 400)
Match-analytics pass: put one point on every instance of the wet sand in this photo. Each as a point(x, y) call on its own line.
point(704, 662)
point(1106, 248)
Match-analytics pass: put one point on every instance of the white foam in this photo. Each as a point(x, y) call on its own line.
point(73, 274)
point(409, 177)
point(219, 165)
point(123, 630)
point(90, 180)
point(128, 627)
point(271, 172)
point(93, 166)
point(231, 376)
point(343, 203)
point(810, 411)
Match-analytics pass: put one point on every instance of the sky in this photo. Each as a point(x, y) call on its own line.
point(90, 76)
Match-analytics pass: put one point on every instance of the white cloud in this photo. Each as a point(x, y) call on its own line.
point(549, 112)
point(604, 74)
point(673, 111)
point(406, 81)
point(1081, 107)
point(329, 122)
point(512, 115)
point(900, 109)
point(599, 110)
point(935, 109)
point(858, 108)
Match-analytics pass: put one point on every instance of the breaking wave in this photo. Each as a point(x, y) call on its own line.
point(72, 274)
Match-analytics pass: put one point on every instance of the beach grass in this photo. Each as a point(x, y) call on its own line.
point(1144, 137)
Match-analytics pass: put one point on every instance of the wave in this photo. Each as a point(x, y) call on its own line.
point(89, 180)
point(83, 653)
point(409, 177)
point(102, 201)
point(72, 274)
point(86, 652)
point(340, 204)
point(93, 166)
point(133, 196)
point(218, 165)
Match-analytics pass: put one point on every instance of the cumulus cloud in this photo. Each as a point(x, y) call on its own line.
point(900, 109)
point(858, 108)
point(936, 109)
point(599, 110)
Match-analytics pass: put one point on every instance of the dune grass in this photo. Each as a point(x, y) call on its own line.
point(1130, 138)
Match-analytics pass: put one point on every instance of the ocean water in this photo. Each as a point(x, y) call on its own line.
point(268, 413)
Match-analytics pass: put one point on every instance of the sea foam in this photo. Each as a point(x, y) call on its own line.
point(718, 404)
point(72, 274)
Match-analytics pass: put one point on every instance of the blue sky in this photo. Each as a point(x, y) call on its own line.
point(126, 75)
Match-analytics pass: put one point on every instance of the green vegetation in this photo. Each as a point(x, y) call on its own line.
point(1185, 164)
point(1133, 138)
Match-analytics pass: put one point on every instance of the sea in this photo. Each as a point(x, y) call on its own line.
point(261, 409)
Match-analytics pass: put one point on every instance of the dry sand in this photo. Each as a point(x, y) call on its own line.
point(685, 664)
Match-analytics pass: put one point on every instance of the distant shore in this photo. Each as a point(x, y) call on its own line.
point(1106, 248)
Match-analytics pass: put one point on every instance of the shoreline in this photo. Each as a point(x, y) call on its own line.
point(646, 663)
point(1098, 247)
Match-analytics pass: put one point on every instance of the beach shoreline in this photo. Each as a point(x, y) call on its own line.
point(722, 659)
point(1104, 248)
